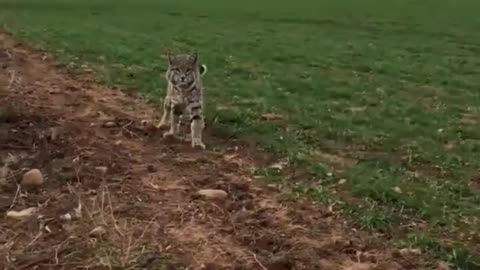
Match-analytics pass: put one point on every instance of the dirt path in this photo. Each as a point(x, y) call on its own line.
point(72, 129)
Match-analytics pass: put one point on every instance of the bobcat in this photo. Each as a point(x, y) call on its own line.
point(184, 97)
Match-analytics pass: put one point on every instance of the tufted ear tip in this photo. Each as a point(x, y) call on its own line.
point(169, 56)
point(194, 56)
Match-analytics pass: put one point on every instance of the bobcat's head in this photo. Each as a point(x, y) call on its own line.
point(184, 69)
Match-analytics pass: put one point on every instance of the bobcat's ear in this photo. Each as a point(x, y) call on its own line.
point(194, 57)
point(169, 57)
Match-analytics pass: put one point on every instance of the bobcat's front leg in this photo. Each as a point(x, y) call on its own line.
point(174, 117)
point(167, 108)
point(182, 128)
point(196, 131)
point(197, 124)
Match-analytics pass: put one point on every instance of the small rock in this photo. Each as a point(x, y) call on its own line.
point(66, 217)
point(410, 251)
point(397, 190)
point(109, 124)
point(22, 214)
point(213, 193)
point(32, 178)
point(442, 266)
point(98, 232)
point(342, 181)
point(47, 229)
point(145, 123)
point(102, 169)
point(279, 165)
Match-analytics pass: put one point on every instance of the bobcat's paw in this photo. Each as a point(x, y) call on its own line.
point(198, 143)
point(168, 134)
point(161, 124)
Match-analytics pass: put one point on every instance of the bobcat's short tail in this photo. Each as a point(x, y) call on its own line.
point(203, 70)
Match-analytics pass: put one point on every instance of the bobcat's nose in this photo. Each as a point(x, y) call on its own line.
point(182, 78)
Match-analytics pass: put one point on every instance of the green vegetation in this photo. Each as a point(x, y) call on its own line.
point(383, 94)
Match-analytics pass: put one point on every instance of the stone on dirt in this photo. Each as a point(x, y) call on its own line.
point(32, 178)
point(442, 266)
point(410, 252)
point(97, 232)
point(23, 213)
point(109, 124)
point(342, 181)
point(102, 169)
point(213, 194)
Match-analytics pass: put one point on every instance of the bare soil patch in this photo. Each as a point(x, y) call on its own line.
point(132, 196)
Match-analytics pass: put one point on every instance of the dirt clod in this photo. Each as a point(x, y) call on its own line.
point(32, 178)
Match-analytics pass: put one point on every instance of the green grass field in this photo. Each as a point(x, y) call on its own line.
point(378, 101)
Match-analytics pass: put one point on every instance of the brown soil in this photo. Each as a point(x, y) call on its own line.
point(146, 199)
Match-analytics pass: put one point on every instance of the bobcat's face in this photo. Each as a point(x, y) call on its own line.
point(183, 69)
